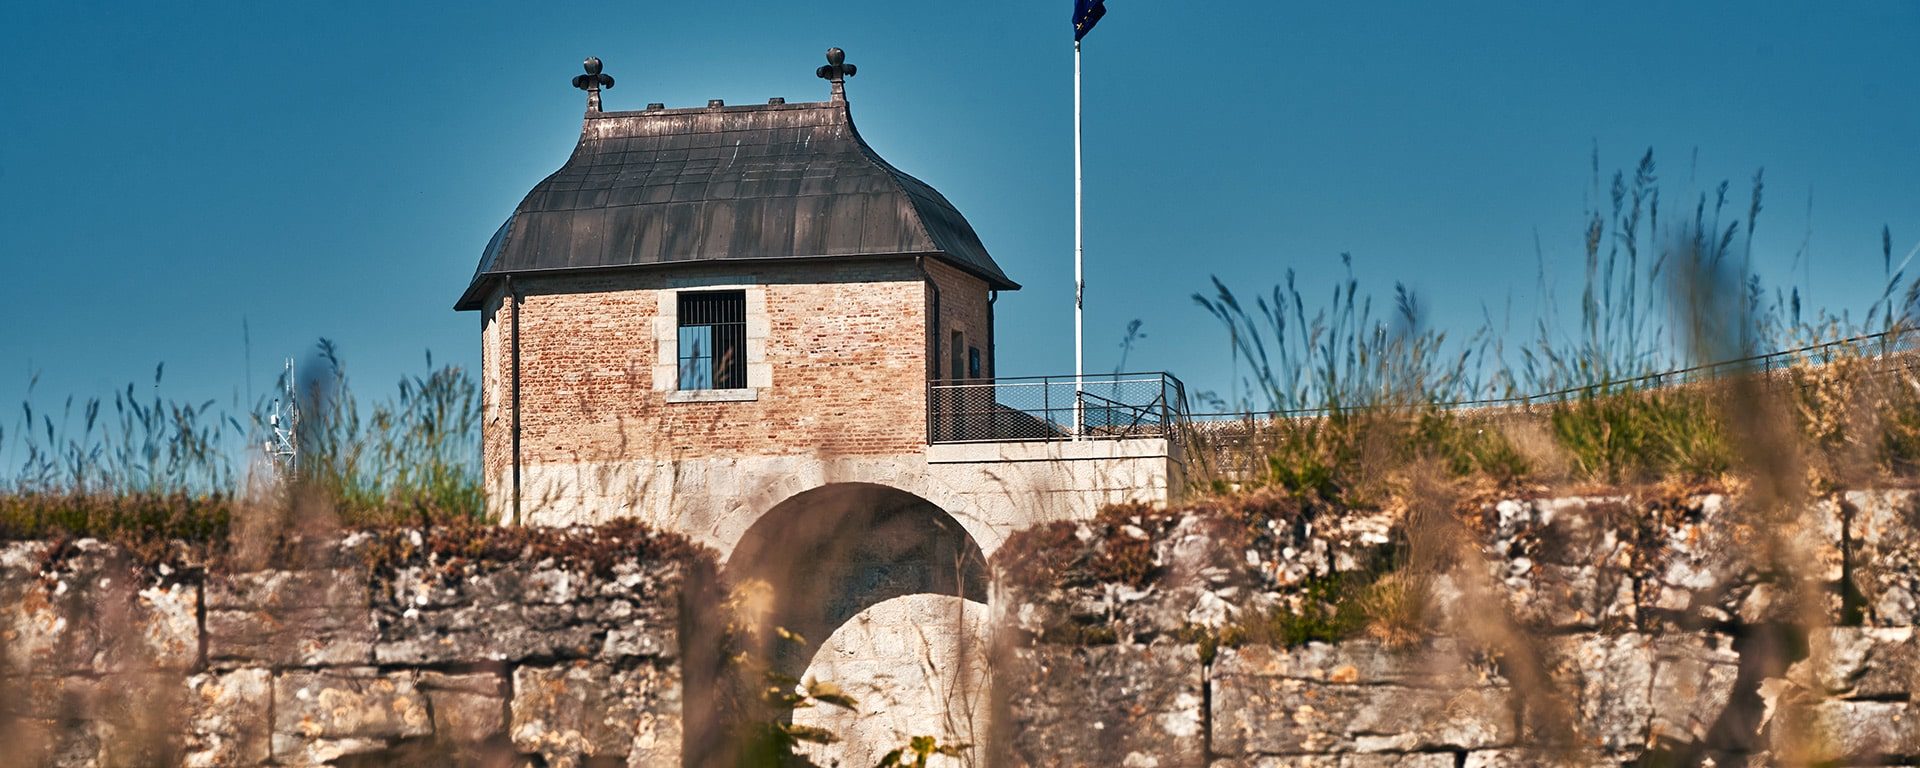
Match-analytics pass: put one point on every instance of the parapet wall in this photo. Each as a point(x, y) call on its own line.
point(393, 648)
point(1575, 631)
point(991, 489)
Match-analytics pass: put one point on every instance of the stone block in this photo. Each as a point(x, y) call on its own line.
point(1113, 705)
point(1819, 539)
point(1567, 597)
point(93, 613)
point(1363, 698)
point(166, 624)
point(1373, 760)
point(322, 716)
point(581, 710)
point(1883, 530)
point(116, 719)
point(1859, 662)
point(467, 708)
point(1805, 731)
point(1505, 758)
point(518, 612)
point(228, 719)
point(1693, 677)
point(289, 618)
point(1564, 561)
point(37, 637)
point(51, 744)
point(52, 698)
point(1609, 680)
point(32, 630)
point(1709, 559)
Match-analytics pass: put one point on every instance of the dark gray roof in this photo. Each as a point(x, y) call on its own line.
point(772, 181)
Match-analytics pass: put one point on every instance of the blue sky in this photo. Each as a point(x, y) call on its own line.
point(172, 173)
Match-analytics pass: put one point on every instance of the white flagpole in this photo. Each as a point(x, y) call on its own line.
point(1079, 250)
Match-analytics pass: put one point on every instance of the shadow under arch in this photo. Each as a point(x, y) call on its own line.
point(831, 552)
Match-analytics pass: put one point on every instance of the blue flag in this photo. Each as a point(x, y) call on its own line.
point(1086, 13)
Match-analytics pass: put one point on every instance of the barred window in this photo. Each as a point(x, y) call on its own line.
point(713, 340)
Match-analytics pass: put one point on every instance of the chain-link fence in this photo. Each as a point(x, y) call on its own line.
point(1056, 408)
point(1893, 349)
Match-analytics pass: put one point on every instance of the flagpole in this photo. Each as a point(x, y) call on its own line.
point(1079, 251)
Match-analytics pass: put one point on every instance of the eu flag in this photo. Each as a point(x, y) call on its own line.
point(1086, 13)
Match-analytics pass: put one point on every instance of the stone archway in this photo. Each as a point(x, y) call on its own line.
point(829, 553)
point(888, 592)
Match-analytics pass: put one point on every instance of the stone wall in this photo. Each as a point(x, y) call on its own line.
point(1580, 631)
point(390, 648)
point(991, 489)
point(1618, 630)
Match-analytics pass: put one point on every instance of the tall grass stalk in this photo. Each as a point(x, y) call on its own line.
point(137, 446)
point(1360, 380)
point(419, 451)
point(145, 467)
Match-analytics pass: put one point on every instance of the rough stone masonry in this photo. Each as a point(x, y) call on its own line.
point(1623, 630)
point(1609, 630)
point(387, 648)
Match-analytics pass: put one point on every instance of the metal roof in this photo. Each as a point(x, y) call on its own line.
point(769, 181)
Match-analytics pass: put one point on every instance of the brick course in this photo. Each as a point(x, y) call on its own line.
point(846, 342)
point(963, 308)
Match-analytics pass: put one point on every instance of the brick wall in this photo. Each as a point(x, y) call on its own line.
point(845, 354)
point(963, 309)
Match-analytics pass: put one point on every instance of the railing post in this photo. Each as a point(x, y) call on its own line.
point(1080, 415)
point(1166, 409)
point(1046, 400)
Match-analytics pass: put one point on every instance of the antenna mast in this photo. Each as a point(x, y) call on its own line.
point(283, 419)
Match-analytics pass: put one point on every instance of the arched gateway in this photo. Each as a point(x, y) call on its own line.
point(740, 323)
point(887, 595)
point(829, 554)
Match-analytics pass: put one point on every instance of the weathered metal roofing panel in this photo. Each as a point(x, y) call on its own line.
point(774, 181)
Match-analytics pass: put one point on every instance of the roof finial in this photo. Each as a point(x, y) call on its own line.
point(837, 71)
point(592, 82)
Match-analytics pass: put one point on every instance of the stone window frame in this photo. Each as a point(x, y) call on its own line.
point(666, 342)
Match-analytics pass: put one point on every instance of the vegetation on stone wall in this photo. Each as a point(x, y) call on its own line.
point(1548, 517)
point(398, 647)
point(1638, 388)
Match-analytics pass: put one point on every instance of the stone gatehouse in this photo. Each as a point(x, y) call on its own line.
point(709, 312)
point(742, 324)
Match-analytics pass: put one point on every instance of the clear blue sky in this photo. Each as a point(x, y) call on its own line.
point(169, 171)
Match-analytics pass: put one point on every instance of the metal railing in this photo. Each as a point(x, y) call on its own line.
point(1101, 406)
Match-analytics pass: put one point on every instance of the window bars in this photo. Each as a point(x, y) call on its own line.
point(713, 340)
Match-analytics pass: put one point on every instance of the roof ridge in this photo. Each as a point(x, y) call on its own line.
point(783, 106)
